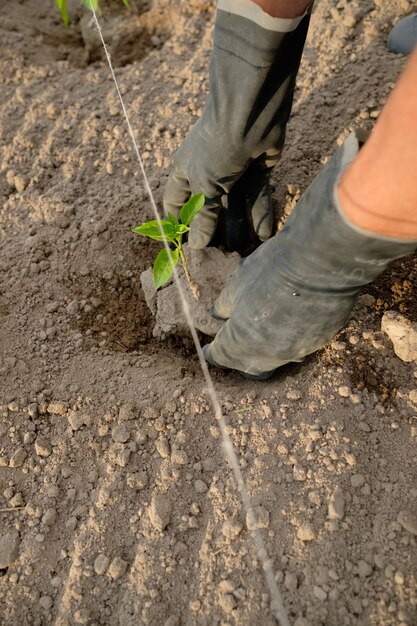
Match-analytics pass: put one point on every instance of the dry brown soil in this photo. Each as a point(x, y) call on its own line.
point(98, 418)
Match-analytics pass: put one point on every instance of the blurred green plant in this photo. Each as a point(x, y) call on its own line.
point(89, 4)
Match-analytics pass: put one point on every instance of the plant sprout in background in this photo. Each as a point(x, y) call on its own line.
point(89, 4)
point(174, 230)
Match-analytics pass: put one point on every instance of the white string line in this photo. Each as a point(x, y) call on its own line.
point(277, 605)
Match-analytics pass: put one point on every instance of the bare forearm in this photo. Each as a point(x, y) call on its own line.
point(378, 192)
point(283, 8)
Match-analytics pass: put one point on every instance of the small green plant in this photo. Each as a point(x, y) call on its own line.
point(174, 230)
point(89, 4)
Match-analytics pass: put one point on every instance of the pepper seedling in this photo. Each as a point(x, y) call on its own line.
point(174, 230)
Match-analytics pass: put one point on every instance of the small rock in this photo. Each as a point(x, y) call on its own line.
point(82, 616)
point(336, 504)
point(137, 480)
point(319, 593)
point(357, 480)
point(120, 433)
point(364, 569)
point(57, 408)
point(17, 500)
point(408, 521)
point(18, 458)
point(299, 473)
point(179, 457)
point(127, 411)
point(42, 447)
point(76, 420)
point(344, 391)
point(162, 447)
point(117, 568)
point(291, 581)
point(46, 602)
point(306, 532)
point(20, 183)
point(228, 602)
point(231, 529)
point(160, 511)
point(402, 333)
point(200, 486)
point(101, 564)
point(9, 548)
point(261, 519)
point(49, 517)
point(293, 394)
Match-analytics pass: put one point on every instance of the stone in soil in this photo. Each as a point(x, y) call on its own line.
point(402, 333)
point(9, 548)
point(210, 269)
point(160, 511)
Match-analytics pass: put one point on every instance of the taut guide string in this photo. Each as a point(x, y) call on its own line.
point(277, 605)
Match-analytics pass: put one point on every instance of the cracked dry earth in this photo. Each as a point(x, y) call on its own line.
point(116, 505)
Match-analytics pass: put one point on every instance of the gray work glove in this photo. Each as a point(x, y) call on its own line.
point(294, 293)
point(252, 78)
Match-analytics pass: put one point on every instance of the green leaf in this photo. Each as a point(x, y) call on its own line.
point(91, 4)
point(152, 230)
point(126, 3)
point(62, 6)
point(172, 219)
point(162, 268)
point(181, 229)
point(191, 208)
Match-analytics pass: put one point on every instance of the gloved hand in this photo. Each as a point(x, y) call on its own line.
point(252, 76)
point(294, 293)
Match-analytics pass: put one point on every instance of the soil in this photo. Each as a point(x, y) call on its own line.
point(116, 504)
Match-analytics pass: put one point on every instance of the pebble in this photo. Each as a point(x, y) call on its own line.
point(120, 433)
point(336, 508)
point(293, 394)
point(299, 473)
point(261, 519)
point(306, 532)
point(46, 602)
point(200, 486)
point(137, 480)
point(53, 491)
point(357, 480)
point(17, 500)
point(49, 517)
point(57, 408)
point(76, 420)
point(101, 564)
point(319, 593)
point(18, 458)
point(291, 581)
point(162, 447)
point(42, 447)
point(402, 333)
point(231, 528)
point(160, 511)
point(364, 569)
point(227, 602)
point(344, 391)
point(9, 548)
point(179, 457)
point(127, 411)
point(117, 568)
point(408, 521)
point(82, 616)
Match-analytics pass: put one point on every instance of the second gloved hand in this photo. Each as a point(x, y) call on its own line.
point(254, 64)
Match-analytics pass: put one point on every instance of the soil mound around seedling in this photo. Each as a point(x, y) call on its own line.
point(210, 269)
